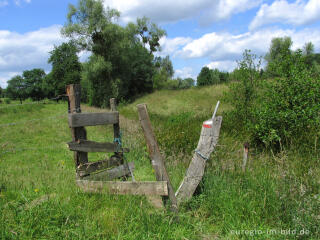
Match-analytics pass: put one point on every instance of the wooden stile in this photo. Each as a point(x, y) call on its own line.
point(93, 119)
point(117, 187)
point(154, 152)
point(97, 176)
point(207, 143)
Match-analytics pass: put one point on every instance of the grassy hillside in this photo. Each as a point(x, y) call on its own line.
point(39, 200)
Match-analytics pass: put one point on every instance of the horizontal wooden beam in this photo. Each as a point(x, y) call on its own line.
point(90, 167)
point(91, 146)
point(134, 188)
point(110, 174)
point(93, 119)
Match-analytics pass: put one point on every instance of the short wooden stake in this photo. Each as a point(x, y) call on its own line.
point(154, 152)
point(245, 156)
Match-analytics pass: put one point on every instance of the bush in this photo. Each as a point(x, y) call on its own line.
point(7, 101)
point(290, 107)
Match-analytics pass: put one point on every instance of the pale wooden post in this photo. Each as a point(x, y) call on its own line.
point(154, 152)
point(245, 156)
point(78, 133)
point(207, 143)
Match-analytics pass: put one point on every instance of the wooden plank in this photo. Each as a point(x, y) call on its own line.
point(207, 143)
point(90, 167)
point(117, 187)
point(110, 174)
point(154, 152)
point(93, 119)
point(74, 97)
point(91, 146)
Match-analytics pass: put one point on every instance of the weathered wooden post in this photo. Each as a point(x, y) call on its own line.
point(245, 156)
point(78, 133)
point(118, 156)
point(154, 152)
point(207, 143)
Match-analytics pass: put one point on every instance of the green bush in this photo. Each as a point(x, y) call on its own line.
point(290, 107)
point(7, 101)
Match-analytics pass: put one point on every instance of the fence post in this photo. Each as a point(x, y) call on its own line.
point(74, 98)
point(207, 142)
point(154, 152)
point(245, 156)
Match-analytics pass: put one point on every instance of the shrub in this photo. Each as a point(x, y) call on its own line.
point(290, 108)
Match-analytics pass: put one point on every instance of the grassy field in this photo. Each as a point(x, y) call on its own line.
point(277, 198)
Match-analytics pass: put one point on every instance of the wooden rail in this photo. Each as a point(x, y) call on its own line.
point(91, 146)
point(93, 119)
point(134, 188)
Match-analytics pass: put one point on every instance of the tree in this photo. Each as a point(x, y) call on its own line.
point(66, 68)
point(243, 93)
point(186, 83)
point(278, 51)
point(122, 56)
point(309, 55)
point(16, 88)
point(164, 72)
point(205, 77)
point(33, 81)
point(150, 33)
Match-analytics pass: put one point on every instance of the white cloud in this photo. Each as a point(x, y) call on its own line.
point(297, 13)
point(19, 52)
point(223, 65)
point(223, 50)
point(225, 46)
point(164, 11)
point(186, 72)
point(18, 2)
point(3, 3)
point(172, 45)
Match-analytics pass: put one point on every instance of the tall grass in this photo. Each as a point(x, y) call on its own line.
point(278, 192)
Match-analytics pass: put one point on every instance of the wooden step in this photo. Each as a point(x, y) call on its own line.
point(91, 146)
point(110, 174)
point(117, 187)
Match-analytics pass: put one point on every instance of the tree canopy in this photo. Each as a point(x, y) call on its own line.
point(66, 68)
point(121, 64)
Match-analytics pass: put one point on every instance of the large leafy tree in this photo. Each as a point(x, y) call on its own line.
point(280, 49)
point(66, 68)
point(204, 77)
point(33, 83)
point(122, 56)
point(16, 88)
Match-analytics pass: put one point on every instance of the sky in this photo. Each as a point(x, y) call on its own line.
point(200, 33)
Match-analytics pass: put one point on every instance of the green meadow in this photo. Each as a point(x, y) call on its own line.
point(277, 197)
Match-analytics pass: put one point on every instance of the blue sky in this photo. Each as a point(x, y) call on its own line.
point(211, 33)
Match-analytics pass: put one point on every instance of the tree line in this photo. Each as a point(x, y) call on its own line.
point(122, 63)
